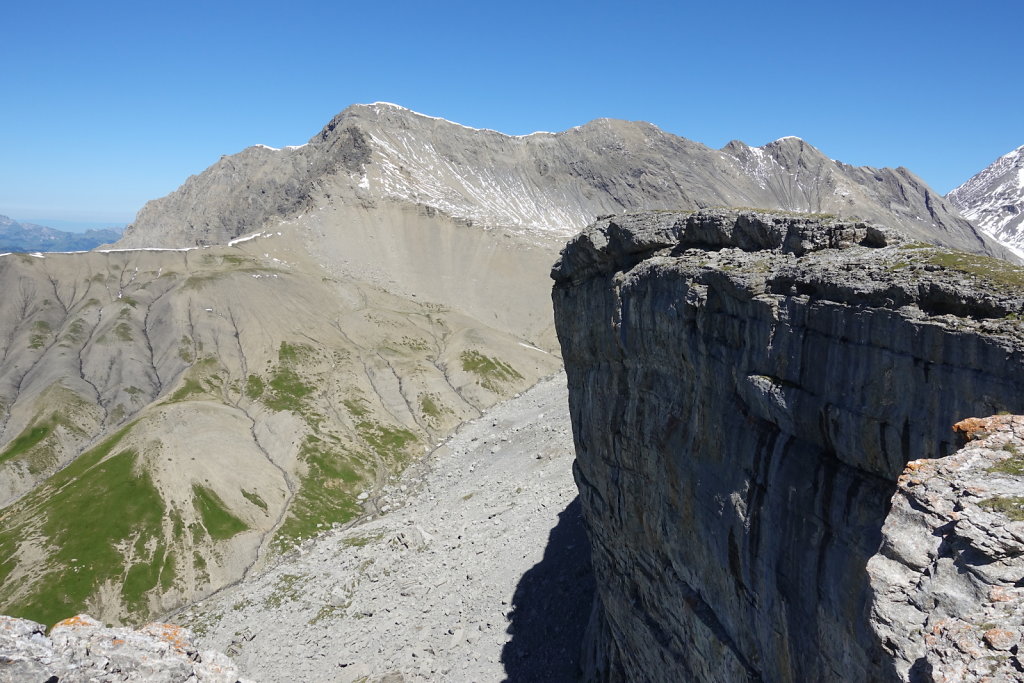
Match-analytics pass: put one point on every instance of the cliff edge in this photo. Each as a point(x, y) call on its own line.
point(746, 391)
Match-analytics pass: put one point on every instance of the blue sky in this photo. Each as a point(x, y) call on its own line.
point(104, 106)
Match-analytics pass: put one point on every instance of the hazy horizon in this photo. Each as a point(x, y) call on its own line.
point(66, 225)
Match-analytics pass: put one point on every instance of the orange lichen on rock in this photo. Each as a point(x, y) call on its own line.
point(78, 620)
point(911, 468)
point(176, 636)
point(1001, 594)
point(1001, 639)
point(980, 427)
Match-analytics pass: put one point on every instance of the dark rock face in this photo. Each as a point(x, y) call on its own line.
point(745, 390)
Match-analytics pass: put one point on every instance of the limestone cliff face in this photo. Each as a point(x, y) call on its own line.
point(745, 391)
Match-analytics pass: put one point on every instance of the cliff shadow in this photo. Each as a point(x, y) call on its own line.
point(551, 606)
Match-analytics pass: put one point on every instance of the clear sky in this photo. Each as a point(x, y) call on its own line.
point(104, 106)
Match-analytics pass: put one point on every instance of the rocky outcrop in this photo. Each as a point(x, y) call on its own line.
point(82, 649)
point(947, 601)
point(745, 391)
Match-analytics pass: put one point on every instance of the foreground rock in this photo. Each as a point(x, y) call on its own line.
point(82, 649)
point(947, 601)
point(745, 391)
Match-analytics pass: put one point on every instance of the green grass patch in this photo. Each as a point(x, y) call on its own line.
point(96, 504)
point(198, 561)
point(429, 407)
point(29, 438)
point(219, 522)
point(254, 386)
point(327, 613)
point(287, 391)
point(356, 406)
point(292, 353)
point(254, 498)
point(326, 495)
point(75, 333)
point(191, 387)
point(360, 541)
point(1012, 507)
point(287, 589)
point(177, 525)
point(996, 272)
point(1012, 465)
point(185, 350)
point(142, 577)
point(123, 331)
point(202, 379)
point(37, 445)
point(168, 572)
point(388, 442)
point(41, 331)
point(491, 372)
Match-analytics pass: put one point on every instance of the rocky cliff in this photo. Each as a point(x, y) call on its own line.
point(745, 392)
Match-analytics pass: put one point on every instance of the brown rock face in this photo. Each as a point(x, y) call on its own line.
point(745, 391)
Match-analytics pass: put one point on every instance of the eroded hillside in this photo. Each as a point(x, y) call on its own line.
point(170, 417)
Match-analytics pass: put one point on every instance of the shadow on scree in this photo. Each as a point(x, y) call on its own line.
point(551, 607)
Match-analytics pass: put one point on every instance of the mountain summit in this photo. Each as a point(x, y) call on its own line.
point(994, 199)
point(542, 183)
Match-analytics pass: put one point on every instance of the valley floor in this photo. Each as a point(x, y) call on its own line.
point(476, 569)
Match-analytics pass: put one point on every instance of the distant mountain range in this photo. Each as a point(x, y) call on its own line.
point(15, 236)
point(994, 199)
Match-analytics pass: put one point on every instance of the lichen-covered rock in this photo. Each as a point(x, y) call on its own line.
point(745, 391)
point(946, 597)
point(83, 649)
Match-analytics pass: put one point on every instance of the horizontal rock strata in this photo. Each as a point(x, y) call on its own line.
point(745, 391)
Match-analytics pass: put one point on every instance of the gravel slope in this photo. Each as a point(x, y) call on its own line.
point(476, 569)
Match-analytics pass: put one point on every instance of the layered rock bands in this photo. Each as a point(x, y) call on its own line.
point(746, 392)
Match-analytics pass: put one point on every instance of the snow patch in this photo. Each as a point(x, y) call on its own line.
point(113, 251)
point(392, 105)
point(531, 346)
point(239, 240)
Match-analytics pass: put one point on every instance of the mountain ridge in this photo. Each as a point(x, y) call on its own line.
point(994, 199)
point(20, 236)
point(550, 183)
